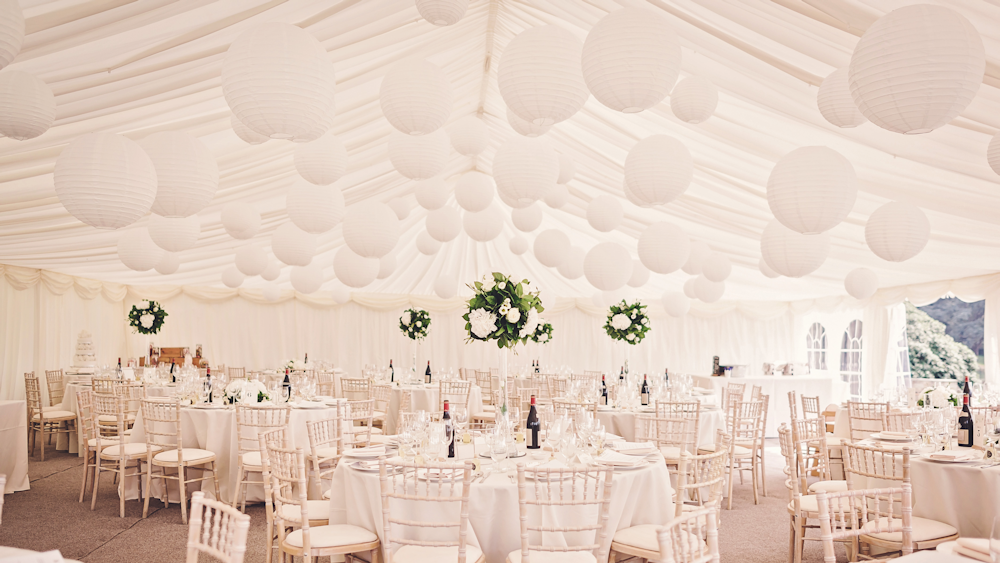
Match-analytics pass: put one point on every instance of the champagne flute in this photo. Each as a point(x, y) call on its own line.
point(498, 450)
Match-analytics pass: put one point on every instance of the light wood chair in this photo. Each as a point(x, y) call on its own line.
point(326, 383)
point(810, 407)
point(688, 410)
point(235, 373)
point(701, 479)
point(116, 456)
point(356, 388)
point(455, 392)
point(839, 519)
point(162, 423)
point(571, 410)
point(865, 419)
point(756, 392)
point(216, 529)
point(251, 420)
point(42, 423)
point(731, 393)
point(800, 507)
point(56, 384)
point(326, 446)
point(759, 459)
point(87, 423)
point(381, 394)
point(743, 421)
point(900, 421)
point(793, 405)
point(490, 417)
point(681, 539)
point(278, 437)
point(812, 457)
point(557, 386)
point(671, 435)
point(355, 435)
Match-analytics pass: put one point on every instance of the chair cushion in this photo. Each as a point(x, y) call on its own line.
point(51, 408)
point(378, 415)
point(671, 453)
point(489, 408)
point(252, 459)
point(486, 415)
point(807, 503)
point(642, 536)
point(109, 419)
point(323, 453)
point(420, 554)
point(923, 530)
point(332, 535)
point(833, 441)
point(740, 451)
point(326, 495)
point(54, 414)
point(191, 455)
point(318, 510)
point(106, 441)
point(828, 486)
point(131, 449)
point(551, 556)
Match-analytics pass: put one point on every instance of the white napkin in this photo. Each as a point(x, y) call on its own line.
point(367, 451)
point(899, 435)
point(974, 548)
point(611, 457)
point(954, 455)
point(634, 448)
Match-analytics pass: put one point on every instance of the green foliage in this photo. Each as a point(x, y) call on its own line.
point(495, 297)
point(934, 354)
point(634, 315)
point(156, 316)
point(420, 322)
point(543, 334)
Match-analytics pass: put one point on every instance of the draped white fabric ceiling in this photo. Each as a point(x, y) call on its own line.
point(140, 67)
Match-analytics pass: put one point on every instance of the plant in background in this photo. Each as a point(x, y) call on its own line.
point(414, 323)
point(147, 320)
point(627, 322)
point(294, 365)
point(503, 310)
point(543, 334)
point(938, 398)
point(934, 354)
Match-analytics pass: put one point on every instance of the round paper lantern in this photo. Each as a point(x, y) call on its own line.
point(604, 213)
point(371, 229)
point(689, 288)
point(658, 169)
point(518, 245)
point(353, 270)
point(551, 247)
point(232, 278)
point(469, 136)
point(897, 231)
point(676, 304)
point(416, 97)
point(272, 271)
point(812, 189)
point(431, 194)
point(608, 266)
point(307, 279)
point(861, 283)
point(526, 219)
point(321, 162)
point(315, 209)
point(571, 267)
point(916, 68)
point(525, 127)
point(251, 259)
point(427, 244)
point(716, 267)
point(640, 274)
point(556, 196)
point(474, 191)
point(169, 264)
point(292, 245)
point(707, 290)
point(631, 59)
point(790, 253)
point(567, 169)
point(241, 220)
point(993, 153)
point(246, 133)
point(386, 266)
point(138, 251)
point(401, 207)
point(539, 75)
point(483, 226)
point(524, 169)
point(446, 287)
point(279, 81)
point(696, 256)
point(766, 270)
point(835, 101)
point(341, 294)
point(271, 292)
point(27, 105)
point(174, 234)
point(442, 12)
point(11, 31)
point(418, 157)
point(444, 224)
point(186, 173)
point(663, 247)
point(105, 180)
point(631, 197)
point(694, 99)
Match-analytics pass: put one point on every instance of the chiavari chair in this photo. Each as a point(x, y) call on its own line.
point(43, 423)
point(812, 456)
point(756, 392)
point(731, 393)
point(688, 410)
point(251, 420)
point(900, 421)
point(701, 479)
point(557, 386)
point(671, 435)
point(865, 418)
point(355, 434)
point(88, 436)
point(326, 383)
point(116, 456)
point(793, 406)
point(56, 384)
point(216, 529)
point(680, 540)
point(455, 392)
point(485, 382)
point(356, 388)
point(743, 421)
point(866, 513)
point(524, 397)
point(573, 411)
point(326, 446)
point(381, 394)
point(235, 373)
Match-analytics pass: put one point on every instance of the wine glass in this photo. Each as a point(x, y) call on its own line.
point(498, 450)
point(461, 418)
point(435, 439)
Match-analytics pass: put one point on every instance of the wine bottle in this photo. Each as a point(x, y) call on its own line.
point(666, 376)
point(173, 377)
point(449, 433)
point(716, 370)
point(538, 366)
point(621, 375)
point(286, 386)
point(644, 392)
point(306, 361)
point(965, 429)
point(208, 383)
point(967, 390)
point(626, 367)
point(427, 374)
point(392, 372)
point(119, 372)
point(533, 425)
point(604, 391)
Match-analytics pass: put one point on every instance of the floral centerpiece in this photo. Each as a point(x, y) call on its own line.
point(937, 397)
point(627, 322)
point(414, 323)
point(147, 320)
point(543, 334)
point(503, 310)
point(246, 391)
point(294, 365)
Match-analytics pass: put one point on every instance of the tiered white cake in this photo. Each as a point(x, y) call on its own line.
point(84, 361)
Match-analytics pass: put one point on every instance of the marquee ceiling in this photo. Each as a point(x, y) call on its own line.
point(136, 68)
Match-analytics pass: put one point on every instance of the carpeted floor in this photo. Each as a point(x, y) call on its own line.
point(49, 517)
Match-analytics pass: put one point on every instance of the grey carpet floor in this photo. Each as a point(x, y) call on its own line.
point(49, 517)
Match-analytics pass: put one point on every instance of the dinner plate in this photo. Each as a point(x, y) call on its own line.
point(448, 477)
point(206, 406)
point(881, 438)
point(640, 465)
point(928, 457)
point(486, 455)
point(310, 405)
point(602, 408)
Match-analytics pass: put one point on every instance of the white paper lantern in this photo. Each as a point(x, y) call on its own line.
point(861, 283)
point(605, 213)
point(321, 162)
point(716, 267)
point(232, 278)
point(251, 259)
point(540, 77)
point(292, 245)
point(551, 247)
point(689, 288)
point(11, 31)
point(431, 194)
point(567, 169)
point(169, 264)
point(474, 191)
point(897, 231)
point(708, 290)
point(556, 196)
point(640, 274)
point(138, 251)
point(271, 292)
point(658, 169)
point(483, 226)
point(766, 270)
point(246, 133)
point(105, 180)
point(416, 97)
point(307, 279)
point(812, 189)
point(427, 244)
point(174, 234)
point(241, 220)
point(663, 247)
point(353, 270)
point(401, 207)
point(527, 219)
point(790, 253)
point(694, 99)
point(993, 153)
point(186, 173)
point(315, 209)
point(27, 105)
point(676, 304)
point(696, 256)
point(279, 81)
point(835, 101)
point(525, 127)
point(446, 287)
point(341, 294)
point(518, 245)
point(608, 266)
point(418, 157)
point(469, 136)
point(524, 169)
point(571, 267)
point(442, 12)
point(371, 229)
point(386, 266)
point(916, 68)
point(631, 59)
point(444, 224)
point(272, 271)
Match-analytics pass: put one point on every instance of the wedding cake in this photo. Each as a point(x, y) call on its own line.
point(84, 361)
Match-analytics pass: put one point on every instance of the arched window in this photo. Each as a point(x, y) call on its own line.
point(850, 357)
point(816, 346)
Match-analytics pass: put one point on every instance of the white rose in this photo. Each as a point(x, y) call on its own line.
point(633, 315)
point(419, 324)
point(630, 337)
point(939, 399)
point(543, 337)
point(146, 320)
point(620, 322)
point(483, 322)
point(488, 285)
point(645, 320)
point(406, 318)
point(502, 285)
point(513, 315)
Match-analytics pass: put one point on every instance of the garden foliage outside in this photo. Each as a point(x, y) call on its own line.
point(934, 354)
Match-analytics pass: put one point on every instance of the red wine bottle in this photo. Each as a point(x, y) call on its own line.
point(533, 425)
point(967, 390)
point(392, 372)
point(604, 391)
point(965, 429)
point(427, 374)
point(208, 382)
point(449, 431)
point(287, 386)
point(644, 392)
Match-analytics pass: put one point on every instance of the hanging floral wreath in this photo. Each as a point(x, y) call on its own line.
point(543, 334)
point(414, 323)
point(503, 310)
point(148, 320)
point(627, 322)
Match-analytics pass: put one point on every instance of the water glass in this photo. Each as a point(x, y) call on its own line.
point(498, 450)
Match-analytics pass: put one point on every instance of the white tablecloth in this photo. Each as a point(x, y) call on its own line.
point(70, 404)
point(622, 423)
point(933, 557)
point(14, 445)
point(959, 494)
point(425, 398)
point(23, 555)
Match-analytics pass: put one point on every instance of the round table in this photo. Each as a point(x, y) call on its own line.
point(622, 422)
point(932, 557)
point(424, 398)
point(953, 493)
point(70, 442)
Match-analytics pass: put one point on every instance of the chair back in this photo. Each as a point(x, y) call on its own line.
point(793, 405)
point(356, 388)
point(33, 395)
point(326, 383)
point(572, 411)
point(524, 397)
point(865, 418)
point(691, 538)
point(111, 406)
point(484, 379)
point(743, 420)
point(287, 468)
point(672, 435)
point(105, 385)
point(731, 393)
point(755, 393)
point(252, 419)
point(882, 511)
point(557, 385)
point(864, 463)
point(85, 412)
point(786, 444)
point(162, 424)
point(810, 407)
point(217, 529)
point(456, 392)
point(688, 410)
point(359, 436)
point(811, 453)
point(56, 384)
point(900, 421)
point(236, 373)
point(596, 374)
point(326, 444)
point(381, 394)
point(705, 473)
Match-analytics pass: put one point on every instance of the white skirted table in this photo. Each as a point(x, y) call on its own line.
point(424, 398)
point(622, 422)
point(963, 495)
point(14, 445)
point(70, 442)
point(28, 556)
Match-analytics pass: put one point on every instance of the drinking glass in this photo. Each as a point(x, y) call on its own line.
point(435, 439)
point(498, 450)
point(461, 419)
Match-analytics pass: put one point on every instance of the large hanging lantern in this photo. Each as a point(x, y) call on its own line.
point(186, 173)
point(766, 270)
point(401, 207)
point(416, 97)
point(340, 293)
point(658, 169)
point(640, 274)
point(241, 220)
point(232, 278)
point(315, 209)
point(916, 68)
point(551, 247)
point(174, 234)
point(631, 59)
point(138, 251)
point(689, 288)
point(539, 75)
point(27, 105)
point(524, 169)
point(353, 270)
point(431, 194)
point(812, 189)
point(897, 231)
point(386, 266)
point(716, 267)
point(251, 259)
point(694, 99)
point(608, 266)
point(444, 224)
point(526, 219)
point(292, 245)
point(474, 191)
point(835, 101)
point(11, 31)
point(861, 283)
point(572, 266)
point(307, 279)
point(708, 290)
point(469, 136)
point(993, 153)
point(518, 245)
point(246, 133)
point(483, 226)
point(676, 304)
point(321, 162)
point(279, 81)
point(371, 229)
point(696, 256)
point(567, 169)
point(605, 213)
point(169, 264)
point(442, 12)
point(272, 271)
point(446, 286)
point(556, 196)
point(663, 247)
point(790, 253)
point(105, 180)
point(427, 244)
point(418, 157)
point(524, 127)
